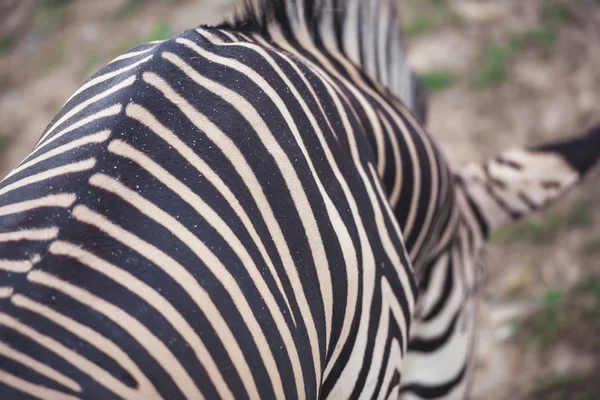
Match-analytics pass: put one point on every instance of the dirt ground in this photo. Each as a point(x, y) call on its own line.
point(502, 73)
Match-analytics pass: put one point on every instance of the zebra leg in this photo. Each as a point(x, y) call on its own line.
point(507, 187)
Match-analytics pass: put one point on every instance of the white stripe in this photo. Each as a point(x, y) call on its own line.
point(154, 346)
point(380, 346)
point(183, 278)
point(143, 388)
point(396, 189)
point(30, 235)
point(94, 138)
point(42, 369)
point(238, 160)
point(103, 78)
point(132, 54)
point(79, 166)
point(82, 106)
point(65, 200)
point(202, 251)
point(387, 244)
point(17, 267)
point(392, 366)
point(107, 112)
point(33, 389)
point(350, 257)
point(292, 180)
point(428, 298)
point(453, 356)
point(156, 300)
point(145, 117)
point(432, 188)
point(5, 292)
point(312, 227)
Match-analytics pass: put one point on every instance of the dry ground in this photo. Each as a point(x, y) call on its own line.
point(502, 73)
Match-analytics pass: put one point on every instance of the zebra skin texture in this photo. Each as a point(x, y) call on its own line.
point(253, 211)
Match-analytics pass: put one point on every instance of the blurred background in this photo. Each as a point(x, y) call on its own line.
point(501, 74)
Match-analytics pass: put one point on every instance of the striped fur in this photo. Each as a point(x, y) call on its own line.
point(244, 211)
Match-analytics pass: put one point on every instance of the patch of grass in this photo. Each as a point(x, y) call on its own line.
point(580, 215)
point(6, 44)
point(571, 318)
point(545, 324)
point(160, 31)
point(595, 288)
point(568, 315)
point(516, 43)
point(90, 65)
point(495, 58)
point(56, 56)
point(544, 36)
point(52, 16)
point(553, 12)
point(126, 46)
point(430, 16)
point(4, 82)
point(546, 229)
point(4, 142)
point(494, 67)
point(553, 384)
point(591, 286)
point(507, 234)
point(129, 8)
point(513, 327)
point(436, 81)
point(591, 247)
point(553, 298)
point(528, 230)
point(419, 26)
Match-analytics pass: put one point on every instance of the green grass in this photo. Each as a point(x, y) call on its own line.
point(4, 141)
point(553, 384)
point(564, 314)
point(90, 66)
point(431, 15)
point(513, 327)
point(591, 248)
point(160, 31)
point(6, 44)
point(524, 231)
point(595, 288)
point(55, 57)
point(419, 26)
point(545, 36)
point(495, 58)
point(129, 8)
point(4, 82)
point(545, 325)
point(553, 12)
point(571, 319)
point(52, 16)
point(580, 215)
point(545, 229)
point(494, 67)
point(436, 81)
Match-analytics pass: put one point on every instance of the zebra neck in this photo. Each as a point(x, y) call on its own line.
point(365, 32)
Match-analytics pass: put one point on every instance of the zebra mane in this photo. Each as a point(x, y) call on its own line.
point(366, 32)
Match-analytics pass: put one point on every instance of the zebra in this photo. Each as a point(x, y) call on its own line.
point(253, 210)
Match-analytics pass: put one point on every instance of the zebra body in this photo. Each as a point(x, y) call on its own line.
point(237, 212)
